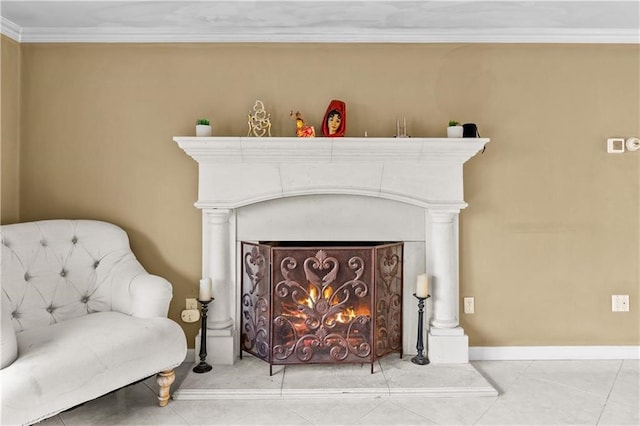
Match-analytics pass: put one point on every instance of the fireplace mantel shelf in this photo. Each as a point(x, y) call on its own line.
point(238, 171)
point(328, 150)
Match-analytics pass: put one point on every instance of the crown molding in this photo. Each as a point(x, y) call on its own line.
point(10, 29)
point(318, 35)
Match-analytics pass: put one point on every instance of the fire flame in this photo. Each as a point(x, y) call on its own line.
point(347, 315)
point(313, 297)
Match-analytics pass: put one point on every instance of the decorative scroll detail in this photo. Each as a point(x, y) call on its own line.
point(255, 335)
point(388, 300)
point(320, 316)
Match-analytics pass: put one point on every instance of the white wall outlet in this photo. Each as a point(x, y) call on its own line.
point(190, 315)
point(615, 145)
point(620, 303)
point(469, 305)
point(192, 304)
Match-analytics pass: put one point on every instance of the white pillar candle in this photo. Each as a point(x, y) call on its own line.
point(422, 286)
point(205, 289)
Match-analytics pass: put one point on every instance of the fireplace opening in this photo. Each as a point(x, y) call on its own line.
point(321, 302)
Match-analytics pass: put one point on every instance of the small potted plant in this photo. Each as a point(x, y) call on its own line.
point(454, 130)
point(203, 127)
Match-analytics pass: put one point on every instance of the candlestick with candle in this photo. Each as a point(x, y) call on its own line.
point(203, 366)
point(422, 286)
point(420, 359)
point(205, 290)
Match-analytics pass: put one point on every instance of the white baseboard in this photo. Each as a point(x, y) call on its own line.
point(504, 353)
point(514, 353)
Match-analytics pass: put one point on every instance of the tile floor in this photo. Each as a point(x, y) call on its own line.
point(530, 393)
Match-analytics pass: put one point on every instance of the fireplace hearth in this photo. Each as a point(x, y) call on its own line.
point(321, 303)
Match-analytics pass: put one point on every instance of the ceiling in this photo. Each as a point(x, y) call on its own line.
point(425, 21)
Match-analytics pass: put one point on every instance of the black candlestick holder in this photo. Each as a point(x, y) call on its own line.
point(203, 367)
point(420, 359)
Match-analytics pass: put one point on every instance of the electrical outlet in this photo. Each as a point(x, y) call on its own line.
point(469, 305)
point(620, 303)
point(192, 304)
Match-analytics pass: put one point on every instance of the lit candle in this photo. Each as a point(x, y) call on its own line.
point(205, 289)
point(422, 286)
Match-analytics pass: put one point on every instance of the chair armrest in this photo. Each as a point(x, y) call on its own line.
point(150, 296)
point(138, 293)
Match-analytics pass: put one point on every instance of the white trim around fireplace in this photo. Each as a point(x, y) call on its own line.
point(237, 172)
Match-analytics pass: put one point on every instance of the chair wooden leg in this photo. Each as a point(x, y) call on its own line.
point(164, 380)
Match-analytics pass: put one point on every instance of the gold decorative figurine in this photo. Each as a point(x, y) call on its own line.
point(259, 122)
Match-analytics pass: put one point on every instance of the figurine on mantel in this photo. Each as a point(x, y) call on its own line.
point(259, 121)
point(302, 130)
point(335, 119)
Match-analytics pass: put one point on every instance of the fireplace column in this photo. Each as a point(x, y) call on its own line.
point(446, 339)
point(217, 246)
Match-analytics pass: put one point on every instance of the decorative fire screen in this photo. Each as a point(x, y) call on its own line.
point(315, 303)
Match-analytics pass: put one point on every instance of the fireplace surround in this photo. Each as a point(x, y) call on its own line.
point(257, 189)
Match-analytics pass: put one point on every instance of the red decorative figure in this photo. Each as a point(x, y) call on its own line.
point(302, 130)
point(335, 119)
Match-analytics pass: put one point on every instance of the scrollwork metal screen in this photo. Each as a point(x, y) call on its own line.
point(324, 303)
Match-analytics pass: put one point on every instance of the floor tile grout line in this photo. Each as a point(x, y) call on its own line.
point(386, 379)
point(504, 392)
point(564, 385)
point(284, 371)
point(498, 398)
point(419, 414)
point(606, 398)
point(606, 401)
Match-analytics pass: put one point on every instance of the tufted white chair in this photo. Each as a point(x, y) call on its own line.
point(80, 318)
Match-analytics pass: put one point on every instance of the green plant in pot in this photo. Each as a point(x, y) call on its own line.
point(454, 130)
point(203, 127)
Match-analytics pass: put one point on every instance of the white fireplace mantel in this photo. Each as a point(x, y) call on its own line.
point(236, 172)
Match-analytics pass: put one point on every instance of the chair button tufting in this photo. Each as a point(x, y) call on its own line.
point(15, 314)
point(74, 240)
point(85, 299)
point(95, 264)
point(43, 243)
point(50, 309)
point(27, 277)
point(63, 273)
point(6, 243)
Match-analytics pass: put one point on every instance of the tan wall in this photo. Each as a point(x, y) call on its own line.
point(9, 130)
point(552, 229)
